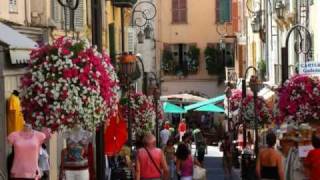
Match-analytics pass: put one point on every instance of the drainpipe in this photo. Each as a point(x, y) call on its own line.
point(26, 22)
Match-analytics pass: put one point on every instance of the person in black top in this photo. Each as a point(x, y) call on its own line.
point(269, 163)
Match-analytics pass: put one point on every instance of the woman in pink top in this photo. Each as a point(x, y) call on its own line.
point(26, 144)
point(151, 163)
point(185, 162)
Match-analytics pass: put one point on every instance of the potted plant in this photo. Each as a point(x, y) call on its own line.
point(169, 65)
point(262, 67)
point(193, 59)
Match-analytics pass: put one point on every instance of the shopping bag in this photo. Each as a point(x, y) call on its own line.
point(199, 173)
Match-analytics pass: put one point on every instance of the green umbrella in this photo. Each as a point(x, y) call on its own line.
point(171, 108)
point(204, 103)
point(210, 108)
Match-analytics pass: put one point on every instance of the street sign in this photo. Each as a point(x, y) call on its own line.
point(310, 68)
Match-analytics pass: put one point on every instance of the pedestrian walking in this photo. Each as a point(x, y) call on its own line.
point(227, 155)
point(44, 162)
point(164, 136)
point(312, 162)
point(200, 145)
point(169, 152)
point(182, 128)
point(269, 163)
point(150, 162)
point(185, 162)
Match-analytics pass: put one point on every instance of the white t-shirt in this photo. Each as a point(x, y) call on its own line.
point(164, 135)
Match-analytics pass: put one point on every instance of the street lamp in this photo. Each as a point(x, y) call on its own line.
point(147, 12)
point(256, 23)
point(147, 31)
point(280, 7)
point(302, 46)
point(140, 37)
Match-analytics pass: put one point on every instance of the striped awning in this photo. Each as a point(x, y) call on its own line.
point(19, 45)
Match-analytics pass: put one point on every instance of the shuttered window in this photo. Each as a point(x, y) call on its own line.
point(13, 6)
point(179, 11)
point(59, 17)
point(223, 11)
point(235, 16)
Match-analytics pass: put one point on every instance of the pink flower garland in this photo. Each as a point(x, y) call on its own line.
point(299, 99)
point(69, 83)
point(264, 113)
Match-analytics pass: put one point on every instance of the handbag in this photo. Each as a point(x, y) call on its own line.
point(198, 173)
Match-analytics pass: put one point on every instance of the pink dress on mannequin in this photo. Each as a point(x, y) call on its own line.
point(26, 153)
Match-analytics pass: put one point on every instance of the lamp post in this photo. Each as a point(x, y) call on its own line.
point(247, 165)
point(156, 96)
point(303, 46)
point(147, 12)
point(280, 7)
point(228, 95)
point(244, 94)
point(254, 88)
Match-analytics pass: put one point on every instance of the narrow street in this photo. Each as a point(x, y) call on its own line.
point(213, 164)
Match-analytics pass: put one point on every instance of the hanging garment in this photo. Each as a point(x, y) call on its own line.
point(26, 153)
point(14, 114)
point(115, 135)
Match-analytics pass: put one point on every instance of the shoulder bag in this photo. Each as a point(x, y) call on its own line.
point(153, 162)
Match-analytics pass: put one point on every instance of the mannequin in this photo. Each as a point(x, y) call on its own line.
point(26, 144)
point(14, 114)
point(74, 158)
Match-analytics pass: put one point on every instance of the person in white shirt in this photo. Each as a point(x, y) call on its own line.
point(164, 135)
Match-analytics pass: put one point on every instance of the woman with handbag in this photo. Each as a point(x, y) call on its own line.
point(151, 163)
point(185, 162)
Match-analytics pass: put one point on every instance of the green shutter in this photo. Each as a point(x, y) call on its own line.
point(112, 42)
point(224, 11)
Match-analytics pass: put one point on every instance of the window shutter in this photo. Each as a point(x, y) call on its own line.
point(235, 16)
point(183, 11)
point(112, 42)
point(217, 11)
point(224, 15)
point(175, 11)
point(131, 39)
point(55, 11)
point(79, 16)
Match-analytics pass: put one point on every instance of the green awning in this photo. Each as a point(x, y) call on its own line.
point(210, 108)
point(171, 108)
point(203, 103)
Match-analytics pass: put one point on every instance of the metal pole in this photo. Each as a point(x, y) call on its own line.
point(122, 30)
point(256, 145)
point(285, 53)
point(244, 122)
point(157, 121)
point(96, 10)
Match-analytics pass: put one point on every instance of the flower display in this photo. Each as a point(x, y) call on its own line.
point(69, 83)
point(299, 99)
point(141, 110)
point(263, 112)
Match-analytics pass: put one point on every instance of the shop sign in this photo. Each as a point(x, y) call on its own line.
point(311, 68)
point(231, 75)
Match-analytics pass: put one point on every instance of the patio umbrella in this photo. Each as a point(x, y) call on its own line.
point(210, 108)
point(171, 108)
point(115, 135)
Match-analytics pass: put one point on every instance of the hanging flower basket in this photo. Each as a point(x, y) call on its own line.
point(69, 83)
point(299, 100)
point(263, 112)
point(141, 110)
